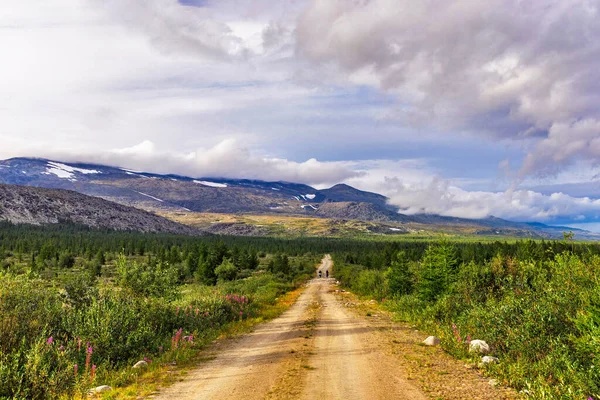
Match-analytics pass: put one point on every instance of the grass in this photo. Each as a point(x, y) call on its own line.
point(300, 226)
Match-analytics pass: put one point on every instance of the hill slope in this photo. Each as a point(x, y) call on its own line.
point(29, 205)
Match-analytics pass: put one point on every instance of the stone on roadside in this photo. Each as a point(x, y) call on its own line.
point(100, 389)
point(479, 346)
point(141, 364)
point(432, 341)
point(489, 360)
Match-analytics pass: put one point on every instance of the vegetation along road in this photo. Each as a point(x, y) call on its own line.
point(326, 347)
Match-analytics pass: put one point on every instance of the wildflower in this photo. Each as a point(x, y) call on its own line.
point(93, 375)
point(197, 311)
point(147, 360)
point(61, 348)
point(175, 339)
point(88, 357)
point(79, 344)
point(50, 340)
point(75, 369)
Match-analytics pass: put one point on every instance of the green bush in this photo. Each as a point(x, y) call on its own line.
point(226, 271)
point(147, 279)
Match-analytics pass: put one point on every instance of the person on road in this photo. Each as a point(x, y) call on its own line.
point(326, 274)
point(320, 274)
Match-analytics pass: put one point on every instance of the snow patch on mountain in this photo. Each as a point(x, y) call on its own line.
point(65, 171)
point(211, 184)
point(311, 196)
point(152, 197)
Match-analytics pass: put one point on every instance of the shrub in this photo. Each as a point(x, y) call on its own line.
point(226, 271)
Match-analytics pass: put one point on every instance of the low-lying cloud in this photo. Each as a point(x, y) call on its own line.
point(228, 159)
point(434, 195)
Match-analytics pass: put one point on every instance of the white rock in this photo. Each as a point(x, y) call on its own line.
point(479, 346)
point(493, 382)
point(101, 389)
point(140, 364)
point(432, 341)
point(489, 360)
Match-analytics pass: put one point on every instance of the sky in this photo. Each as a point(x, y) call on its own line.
point(461, 108)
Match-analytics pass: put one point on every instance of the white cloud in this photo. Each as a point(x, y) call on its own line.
point(494, 68)
point(416, 188)
point(228, 159)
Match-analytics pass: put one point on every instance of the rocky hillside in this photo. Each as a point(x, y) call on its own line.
point(29, 205)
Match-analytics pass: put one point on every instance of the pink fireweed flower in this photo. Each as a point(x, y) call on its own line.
point(79, 344)
point(147, 360)
point(93, 375)
point(197, 312)
point(50, 340)
point(75, 369)
point(88, 357)
point(61, 348)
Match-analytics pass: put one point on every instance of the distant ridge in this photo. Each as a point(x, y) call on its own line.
point(175, 193)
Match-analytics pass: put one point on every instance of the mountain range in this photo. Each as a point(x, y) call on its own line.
point(181, 194)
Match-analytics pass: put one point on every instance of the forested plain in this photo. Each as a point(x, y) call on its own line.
point(79, 306)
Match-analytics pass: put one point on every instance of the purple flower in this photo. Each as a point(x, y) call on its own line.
point(75, 369)
point(50, 340)
point(61, 348)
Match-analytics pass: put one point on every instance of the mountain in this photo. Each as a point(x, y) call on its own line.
point(37, 206)
point(176, 194)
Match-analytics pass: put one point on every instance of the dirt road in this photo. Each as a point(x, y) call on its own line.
point(322, 348)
